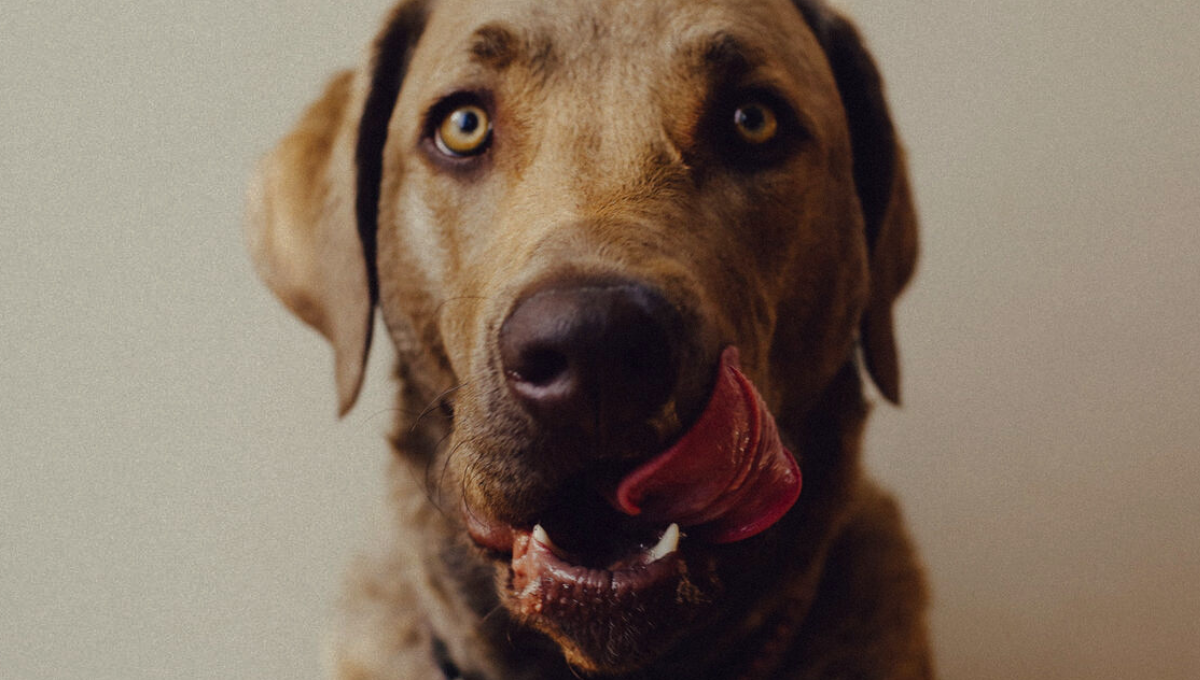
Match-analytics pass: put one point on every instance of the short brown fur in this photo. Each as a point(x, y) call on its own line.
point(607, 159)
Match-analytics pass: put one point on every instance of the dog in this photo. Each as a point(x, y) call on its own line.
point(638, 261)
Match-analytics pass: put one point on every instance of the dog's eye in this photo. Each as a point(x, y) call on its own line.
point(465, 131)
point(756, 123)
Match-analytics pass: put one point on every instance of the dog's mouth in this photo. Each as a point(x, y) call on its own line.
point(615, 574)
point(613, 595)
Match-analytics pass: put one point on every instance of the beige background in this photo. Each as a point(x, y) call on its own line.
point(177, 499)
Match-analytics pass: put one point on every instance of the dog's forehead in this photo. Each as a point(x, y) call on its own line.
point(627, 38)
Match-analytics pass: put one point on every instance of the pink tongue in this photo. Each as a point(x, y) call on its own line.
point(729, 477)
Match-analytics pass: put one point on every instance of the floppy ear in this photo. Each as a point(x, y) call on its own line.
point(313, 203)
point(881, 178)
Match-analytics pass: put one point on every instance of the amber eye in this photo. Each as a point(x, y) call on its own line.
point(756, 123)
point(464, 132)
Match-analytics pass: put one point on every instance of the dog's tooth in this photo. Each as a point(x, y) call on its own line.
point(668, 544)
point(540, 535)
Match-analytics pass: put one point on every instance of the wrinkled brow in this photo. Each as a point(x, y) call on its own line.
point(722, 57)
point(498, 46)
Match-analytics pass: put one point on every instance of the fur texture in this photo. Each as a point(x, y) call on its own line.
point(732, 161)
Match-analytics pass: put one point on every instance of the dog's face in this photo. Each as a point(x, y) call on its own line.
point(569, 217)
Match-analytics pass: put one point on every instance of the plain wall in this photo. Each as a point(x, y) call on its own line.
point(178, 500)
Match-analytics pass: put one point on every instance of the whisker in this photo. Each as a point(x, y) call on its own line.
point(436, 402)
point(431, 489)
point(571, 667)
point(424, 481)
point(498, 609)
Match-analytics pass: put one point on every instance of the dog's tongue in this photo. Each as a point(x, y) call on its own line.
point(728, 478)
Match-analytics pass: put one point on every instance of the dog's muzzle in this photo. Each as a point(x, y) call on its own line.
point(588, 359)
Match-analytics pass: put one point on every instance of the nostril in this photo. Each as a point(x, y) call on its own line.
point(539, 366)
point(644, 359)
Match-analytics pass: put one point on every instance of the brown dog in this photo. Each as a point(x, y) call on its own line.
point(629, 253)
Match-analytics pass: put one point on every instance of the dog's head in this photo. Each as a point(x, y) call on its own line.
point(616, 242)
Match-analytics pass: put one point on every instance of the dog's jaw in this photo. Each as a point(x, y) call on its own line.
point(618, 598)
point(610, 619)
point(738, 612)
point(582, 608)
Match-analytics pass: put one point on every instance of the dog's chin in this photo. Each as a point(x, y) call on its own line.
point(610, 613)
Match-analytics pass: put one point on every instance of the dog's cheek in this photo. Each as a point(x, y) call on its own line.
point(421, 236)
point(410, 272)
point(818, 291)
point(489, 467)
point(427, 221)
point(745, 256)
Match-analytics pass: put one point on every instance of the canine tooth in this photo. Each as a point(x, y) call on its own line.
point(540, 535)
point(668, 544)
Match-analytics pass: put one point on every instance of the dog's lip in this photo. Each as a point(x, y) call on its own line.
point(506, 540)
point(538, 564)
point(608, 619)
point(534, 554)
point(547, 583)
point(490, 534)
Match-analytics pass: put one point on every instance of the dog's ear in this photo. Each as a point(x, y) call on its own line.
point(313, 204)
point(881, 178)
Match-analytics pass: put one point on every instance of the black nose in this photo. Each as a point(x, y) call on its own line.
point(591, 355)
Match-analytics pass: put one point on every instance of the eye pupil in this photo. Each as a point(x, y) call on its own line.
point(467, 121)
point(755, 123)
point(751, 118)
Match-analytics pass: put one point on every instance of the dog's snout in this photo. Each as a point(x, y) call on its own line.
point(591, 355)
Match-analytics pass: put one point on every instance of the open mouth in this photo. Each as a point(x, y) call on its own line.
point(615, 577)
point(546, 577)
point(604, 553)
point(613, 596)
